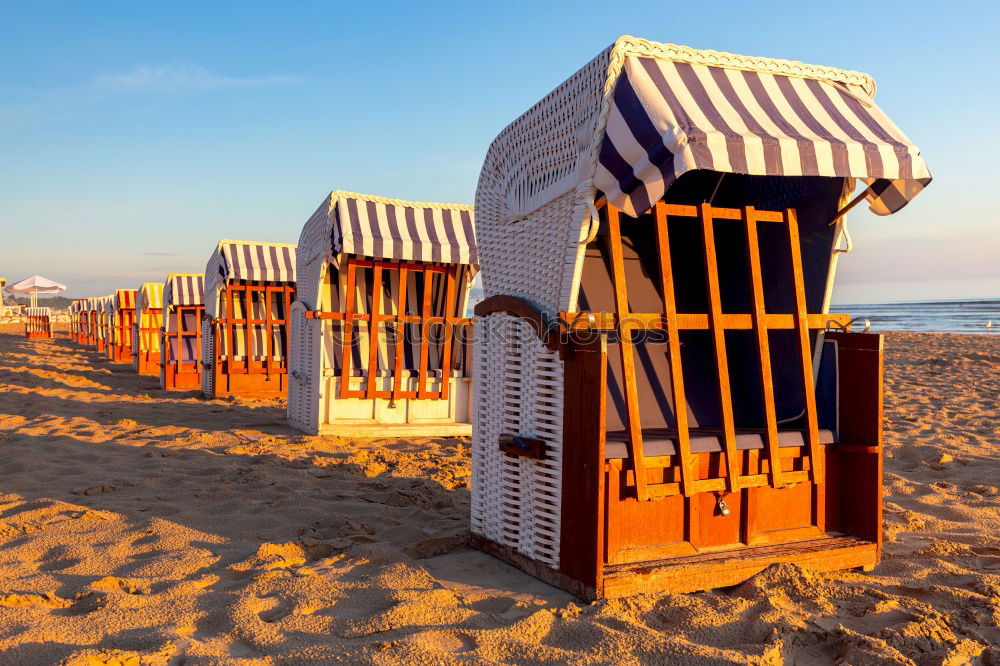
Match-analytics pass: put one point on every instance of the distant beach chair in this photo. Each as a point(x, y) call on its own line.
point(146, 329)
point(250, 288)
point(105, 317)
point(180, 338)
point(76, 328)
point(90, 320)
point(39, 324)
point(663, 401)
point(379, 336)
point(121, 319)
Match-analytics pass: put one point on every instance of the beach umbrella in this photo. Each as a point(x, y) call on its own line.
point(35, 285)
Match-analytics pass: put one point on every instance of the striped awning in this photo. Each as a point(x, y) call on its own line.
point(249, 260)
point(150, 296)
point(670, 116)
point(184, 289)
point(358, 224)
point(38, 312)
point(106, 304)
point(125, 299)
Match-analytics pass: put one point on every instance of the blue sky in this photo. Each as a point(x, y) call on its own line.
point(134, 135)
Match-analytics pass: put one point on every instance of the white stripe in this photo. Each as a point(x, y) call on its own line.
point(855, 153)
point(753, 145)
point(824, 154)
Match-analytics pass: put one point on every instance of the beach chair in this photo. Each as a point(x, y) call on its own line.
point(39, 324)
point(146, 329)
point(75, 321)
point(250, 288)
point(91, 322)
point(663, 402)
point(180, 336)
point(121, 323)
point(104, 314)
point(379, 336)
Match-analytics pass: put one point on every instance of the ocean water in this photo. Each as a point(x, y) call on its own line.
point(952, 316)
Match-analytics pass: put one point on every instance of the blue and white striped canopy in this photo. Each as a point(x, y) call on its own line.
point(250, 260)
point(184, 289)
point(367, 226)
point(670, 116)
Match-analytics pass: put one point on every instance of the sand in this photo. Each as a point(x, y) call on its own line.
point(140, 526)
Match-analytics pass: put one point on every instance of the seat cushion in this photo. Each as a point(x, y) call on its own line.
point(662, 442)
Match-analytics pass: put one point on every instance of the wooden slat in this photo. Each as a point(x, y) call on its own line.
point(373, 326)
point(628, 360)
point(686, 321)
point(347, 332)
point(425, 343)
point(400, 347)
point(802, 328)
point(449, 332)
point(674, 350)
point(763, 344)
point(719, 346)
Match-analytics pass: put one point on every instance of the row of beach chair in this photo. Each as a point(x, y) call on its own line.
point(657, 394)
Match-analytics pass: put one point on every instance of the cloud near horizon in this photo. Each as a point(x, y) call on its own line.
point(181, 77)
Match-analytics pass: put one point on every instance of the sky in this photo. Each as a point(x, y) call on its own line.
point(133, 136)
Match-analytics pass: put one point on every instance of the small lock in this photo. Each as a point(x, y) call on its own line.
point(721, 505)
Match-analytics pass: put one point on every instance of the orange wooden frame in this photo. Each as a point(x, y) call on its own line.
point(451, 324)
point(624, 322)
point(255, 375)
point(180, 373)
point(120, 340)
point(148, 360)
point(38, 327)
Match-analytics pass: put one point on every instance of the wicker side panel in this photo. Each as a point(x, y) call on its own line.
point(208, 359)
point(307, 283)
point(518, 390)
point(163, 366)
point(304, 371)
point(135, 346)
point(533, 190)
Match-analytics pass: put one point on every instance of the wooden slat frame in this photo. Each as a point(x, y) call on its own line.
point(400, 320)
point(180, 334)
point(717, 323)
point(225, 349)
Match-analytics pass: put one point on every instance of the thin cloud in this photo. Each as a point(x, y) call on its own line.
point(161, 254)
point(183, 78)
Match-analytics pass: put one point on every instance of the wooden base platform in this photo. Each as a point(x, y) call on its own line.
point(182, 381)
point(704, 571)
point(150, 366)
point(38, 335)
point(249, 385)
point(378, 430)
point(119, 354)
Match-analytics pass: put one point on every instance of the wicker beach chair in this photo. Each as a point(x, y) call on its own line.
point(105, 316)
point(379, 336)
point(120, 325)
point(250, 288)
point(39, 324)
point(662, 400)
point(146, 329)
point(180, 335)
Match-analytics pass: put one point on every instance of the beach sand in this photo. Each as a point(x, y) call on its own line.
point(141, 526)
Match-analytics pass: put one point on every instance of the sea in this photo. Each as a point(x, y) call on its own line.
point(949, 316)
